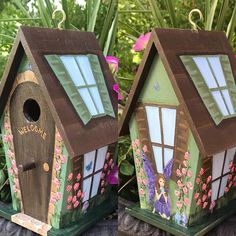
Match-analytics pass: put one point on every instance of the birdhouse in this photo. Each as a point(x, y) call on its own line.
point(59, 131)
point(181, 119)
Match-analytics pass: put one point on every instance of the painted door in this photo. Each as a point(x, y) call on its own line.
point(33, 129)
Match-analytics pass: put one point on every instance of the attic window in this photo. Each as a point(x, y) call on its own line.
point(82, 79)
point(212, 76)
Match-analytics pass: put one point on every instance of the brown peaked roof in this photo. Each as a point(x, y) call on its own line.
point(36, 42)
point(170, 44)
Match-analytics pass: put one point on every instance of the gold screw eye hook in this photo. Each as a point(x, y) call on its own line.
point(194, 25)
point(63, 19)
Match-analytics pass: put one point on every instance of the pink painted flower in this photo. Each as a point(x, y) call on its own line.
point(70, 177)
point(116, 89)
point(133, 145)
point(76, 186)
point(204, 197)
point(53, 199)
point(209, 193)
point(57, 166)
point(56, 181)
point(137, 161)
point(102, 175)
point(189, 185)
point(7, 125)
point(58, 195)
point(185, 190)
point(10, 153)
point(205, 205)
point(74, 199)
point(189, 174)
point(69, 199)
point(5, 139)
point(137, 142)
point(79, 194)
point(82, 195)
point(187, 156)
point(179, 205)
point(204, 186)
point(108, 155)
point(17, 184)
point(141, 171)
point(230, 177)
point(78, 177)
point(177, 193)
point(68, 188)
point(141, 192)
point(138, 152)
point(196, 195)
point(69, 207)
point(230, 164)
point(145, 149)
point(233, 169)
point(58, 150)
point(198, 180)
point(180, 184)
point(185, 163)
point(209, 179)
point(226, 189)
point(10, 170)
point(199, 202)
point(212, 205)
point(141, 42)
point(234, 179)
point(186, 201)
point(76, 204)
point(105, 166)
point(58, 137)
point(139, 180)
point(113, 63)
point(102, 190)
point(144, 181)
point(63, 159)
point(110, 162)
point(184, 171)
point(10, 138)
point(178, 173)
point(201, 172)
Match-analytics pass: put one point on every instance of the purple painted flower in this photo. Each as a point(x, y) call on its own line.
point(116, 89)
point(112, 178)
point(113, 63)
point(141, 42)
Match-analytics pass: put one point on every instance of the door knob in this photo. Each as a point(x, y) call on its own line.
point(45, 167)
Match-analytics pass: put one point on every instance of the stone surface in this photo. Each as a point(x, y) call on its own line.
point(128, 225)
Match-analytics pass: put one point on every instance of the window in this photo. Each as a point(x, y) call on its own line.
point(220, 172)
point(161, 124)
point(213, 78)
point(93, 167)
point(83, 81)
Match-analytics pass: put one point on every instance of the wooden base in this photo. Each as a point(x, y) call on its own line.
point(91, 218)
point(206, 224)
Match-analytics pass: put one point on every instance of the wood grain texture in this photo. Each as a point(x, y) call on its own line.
point(31, 145)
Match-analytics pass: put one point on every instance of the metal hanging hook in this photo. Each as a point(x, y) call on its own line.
point(63, 19)
point(194, 25)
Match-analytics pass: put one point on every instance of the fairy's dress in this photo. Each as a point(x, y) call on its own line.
point(161, 206)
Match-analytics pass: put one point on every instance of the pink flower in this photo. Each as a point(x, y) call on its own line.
point(199, 202)
point(186, 201)
point(137, 161)
point(56, 182)
point(78, 177)
point(110, 162)
point(212, 205)
point(138, 152)
point(209, 193)
point(204, 186)
point(230, 177)
point(226, 189)
point(133, 145)
point(69, 199)
point(58, 196)
point(178, 173)
point(141, 42)
point(82, 194)
point(185, 163)
point(209, 179)
point(76, 186)
point(234, 179)
point(145, 148)
point(74, 199)
point(177, 193)
point(76, 204)
point(102, 175)
point(230, 164)
point(184, 171)
point(141, 171)
point(69, 207)
point(205, 205)
point(139, 180)
point(116, 89)
point(5, 139)
point(185, 190)
point(108, 155)
point(198, 180)
point(201, 172)
point(10, 170)
point(58, 151)
point(79, 194)
point(137, 142)
point(204, 197)
point(10, 153)
point(105, 166)
point(63, 159)
point(141, 192)
point(113, 63)
point(189, 185)
point(179, 204)
point(10, 138)
point(70, 177)
point(144, 181)
point(58, 136)
point(57, 166)
point(180, 184)
point(189, 174)
point(187, 156)
point(53, 199)
point(196, 195)
point(68, 188)
point(7, 125)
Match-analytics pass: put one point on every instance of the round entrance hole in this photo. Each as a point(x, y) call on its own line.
point(31, 110)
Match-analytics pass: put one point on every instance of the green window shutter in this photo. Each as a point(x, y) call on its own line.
point(98, 75)
point(202, 89)
point(69, 87)
point(224, 59)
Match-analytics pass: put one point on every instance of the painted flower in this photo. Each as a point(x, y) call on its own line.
point(63, 159)
point(108, 155)
point(179, 204)
point(212, 205)
point(139, 180)
point(105, 166)
point(56, 181)
point(112, 177)
point(230, 164)
point(133, 145)
point(185, 163)
point(178, 173)
point(184, 171)
point(198, 180)
point(85, 206)
point(102, 175)
point(116, 89)
point(201, 172)
point(177, 193)
point(76, 186)
point(57, 166)
point(7, 125)
point(187, 156)
point(141, 171)
point(137, 142)
point(209, 179)
point(69, 207)
point(74, 199)
point(10, 138)
point(205, 205)
point(53, 199)
point(199, 201)
point(204, 186)
point(68, 188)
point(226, 189)
point(196, 195)
point(76, 204)
point(58, 150)
point(69, 199)
point(209, 193)
point(145, 149)
point(204, 197)
point(186, 201)
point(70, 177)
point(141, 192)
point(189, 185)
point(5, 138)
point(137, 161)
point(185, 190)
point(113, 63)
point(58, 137)
point(78, 177)
point(110, 162)
point(10, 153)
point(79, 194)
point(234, 179)
point(58, 195)
point(180, 184)
point(138, 152)
point(189, 174)
point(144, 181)
point(82, 194)
point(230, 177)
point(10, 170)
point(141, 42)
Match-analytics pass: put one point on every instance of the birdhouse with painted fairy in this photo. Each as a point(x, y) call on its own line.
point(181, 115)
point(59, 129)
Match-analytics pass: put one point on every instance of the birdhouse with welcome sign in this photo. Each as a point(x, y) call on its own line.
point(181, 118)
point(59, 130)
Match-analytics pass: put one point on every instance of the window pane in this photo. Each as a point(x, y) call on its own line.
point(229, 157)
point(168, 121)
point(84, 93)
point(158, 158)
point(86, 188)
point(97, 99)
point(217, 70)
point(168, 154)
point(101, 158)
point(218, 160)
point(73, 70)
point(223, 185)
point(215, 187)
point(220, 102)
point(204, 68)
point(89, 159)
point(86, 69)
point(228, 101)
point(96, 181)
point(154, 123)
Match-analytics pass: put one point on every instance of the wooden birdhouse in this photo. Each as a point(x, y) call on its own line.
point(181, 118)
point(59, 130)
